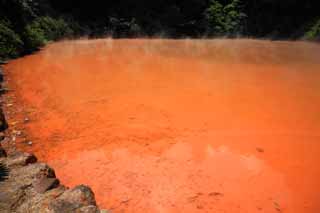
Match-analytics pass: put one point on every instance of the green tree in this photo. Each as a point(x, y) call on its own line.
point(314, 32)
point(224, 19)
point(44, 29)
point(10, 42)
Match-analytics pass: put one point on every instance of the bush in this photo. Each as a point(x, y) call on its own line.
point(224, 19)
point(44, 29)
point(34, 37)
point(314, 32)
point(53, 29)
point(10, 42)
point(119, 27)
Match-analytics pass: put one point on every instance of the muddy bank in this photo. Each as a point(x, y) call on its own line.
point(27, 185)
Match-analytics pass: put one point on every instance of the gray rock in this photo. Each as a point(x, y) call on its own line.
point(58, 206)
point(89, 209)
point(44, 184)
point(69, 207)
point(25, 176)
point(11, 196)
point(21, 159)
point(18, 188)
point(32, 187)
point(40, 202)
point(81, 195)
point(74, 200)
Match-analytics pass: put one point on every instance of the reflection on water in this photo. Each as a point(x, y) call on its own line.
point(178, 126)
point(185, 177)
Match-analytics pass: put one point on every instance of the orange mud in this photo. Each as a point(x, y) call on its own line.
point(178, 126)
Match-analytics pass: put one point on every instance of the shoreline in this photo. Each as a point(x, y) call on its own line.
point(27, 185)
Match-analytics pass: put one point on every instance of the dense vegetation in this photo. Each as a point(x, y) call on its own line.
point(26, 25)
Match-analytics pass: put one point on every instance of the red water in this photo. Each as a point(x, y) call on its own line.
point(178, 126)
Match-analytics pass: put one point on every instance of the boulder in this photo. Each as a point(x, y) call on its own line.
point(44, 184)
point(21, 159)
point(32, 172)
point(34, 188)
point(74, 200)
point(11, 196)
point(68, 207)
point(88, 209)
point(81, 195)
point(40, 202)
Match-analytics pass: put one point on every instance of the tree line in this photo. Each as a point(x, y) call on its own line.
point(26, 25)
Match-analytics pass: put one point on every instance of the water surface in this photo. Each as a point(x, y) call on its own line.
point(178, 125)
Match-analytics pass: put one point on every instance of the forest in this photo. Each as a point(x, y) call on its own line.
point(26, 25)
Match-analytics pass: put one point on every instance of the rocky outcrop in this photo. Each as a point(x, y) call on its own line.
point(33, 187)
point(28, 186)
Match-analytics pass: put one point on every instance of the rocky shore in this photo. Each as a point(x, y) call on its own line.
point(27, 185)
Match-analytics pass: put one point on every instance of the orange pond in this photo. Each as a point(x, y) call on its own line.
point(178, 125)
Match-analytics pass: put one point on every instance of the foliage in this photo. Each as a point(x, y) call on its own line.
point(44, 29)
point(314, 32)
point(10, 42)
point(30, 24)
point(34, 37)
point(224, 19)
point(121, 27)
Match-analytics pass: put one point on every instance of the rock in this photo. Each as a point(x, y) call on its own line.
point(40, 202)
point(2, 152)
point(25, 176)
point(44, 184)
point(2, 136)
point(73, 200)
point(34, 188)
point(62, 206)
point(21, 159)
point(69, 207)
point(11, 197)
point(37, 171)
point(3, 123)
point(4, 172)
point(81, 195)
point(88, 209)
point(2, 62)
point(18, 189)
